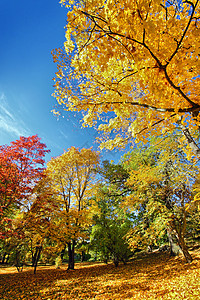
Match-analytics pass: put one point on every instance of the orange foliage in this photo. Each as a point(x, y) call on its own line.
point(155, 276)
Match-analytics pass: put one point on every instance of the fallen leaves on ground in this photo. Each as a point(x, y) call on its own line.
point(155, 276)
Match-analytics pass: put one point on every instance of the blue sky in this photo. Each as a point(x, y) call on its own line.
point(30, 30)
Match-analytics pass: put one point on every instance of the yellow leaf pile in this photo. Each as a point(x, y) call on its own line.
point(149, 276)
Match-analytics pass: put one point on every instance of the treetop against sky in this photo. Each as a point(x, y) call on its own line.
point(137, 59)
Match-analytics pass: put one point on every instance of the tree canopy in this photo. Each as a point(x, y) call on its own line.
point(71, 176)
point(133, 65)
point(21, 167)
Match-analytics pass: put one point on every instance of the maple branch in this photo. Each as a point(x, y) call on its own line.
point(161, 66)
point(143, 105)
point(181, 110)
point(127, 76)
point(144, 33)
point(95, 39)
point(185, 31)
point(92, 18)
point(88, 38)
point(109, 33)
point(105, 86)
point(194, 105)
point(122, 45)
point(164, 68)
point(156, 123)
point(190, 139)
point(166, 11)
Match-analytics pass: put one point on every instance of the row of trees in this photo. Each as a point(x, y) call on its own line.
point(77, 204)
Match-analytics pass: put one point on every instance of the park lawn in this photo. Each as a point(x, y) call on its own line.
point(155, 276)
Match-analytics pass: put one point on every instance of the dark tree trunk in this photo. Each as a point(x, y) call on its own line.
point(18, 262)
point(63, 253)
point(71, 247)
point(82, 256)
point(184, 249)
point(3, 258)
point(105, 260)
point(37, 257)
point(116, 261)
point(34, 256)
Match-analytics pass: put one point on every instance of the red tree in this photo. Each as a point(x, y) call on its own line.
point(21, 167)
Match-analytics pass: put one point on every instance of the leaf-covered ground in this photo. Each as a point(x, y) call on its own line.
point(156, 276)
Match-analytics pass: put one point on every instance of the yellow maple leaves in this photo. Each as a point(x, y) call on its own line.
point(153, 276)
point(129, 58)
point(71, 176)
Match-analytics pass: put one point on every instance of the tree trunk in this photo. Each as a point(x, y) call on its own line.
point(82, 256)
point(63, 253)
point(193, 145)
point(3, 258)
point(34, 256)
point(116, 261)
point(183, 246)
point(18, 262)
point(37, 257)
point(71, 247)
point(174, 248)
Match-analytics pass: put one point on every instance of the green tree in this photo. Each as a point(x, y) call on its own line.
point(109, 229)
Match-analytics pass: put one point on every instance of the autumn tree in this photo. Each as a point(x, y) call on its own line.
point(162, 185)
point(21, 167)
point(133, 65)
point(9, 194)
point(38, 221)
point(72, 177)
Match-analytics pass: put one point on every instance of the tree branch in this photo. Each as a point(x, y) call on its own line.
point(186, 29)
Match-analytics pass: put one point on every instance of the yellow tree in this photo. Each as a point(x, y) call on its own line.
point(72, 177)
point(132, 64)
point(162, 181)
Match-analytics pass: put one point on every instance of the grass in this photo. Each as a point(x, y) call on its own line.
point(155, 276)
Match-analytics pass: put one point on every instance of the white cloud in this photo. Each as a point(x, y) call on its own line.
point(64, 134)
point(9, 121)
